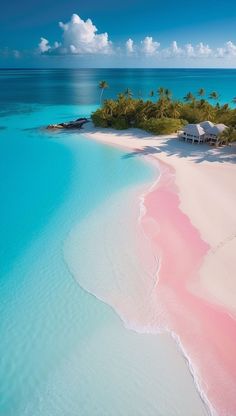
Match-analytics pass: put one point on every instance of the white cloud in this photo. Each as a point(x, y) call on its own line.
point(149, 46)
point(78, 37)
point(175, 49)
point(228, 50)
point(44, 45)
point(189, 50)
point(199, 51)
point(172, 51)
point(129, 46)
point(81, 37)
point(203, 50)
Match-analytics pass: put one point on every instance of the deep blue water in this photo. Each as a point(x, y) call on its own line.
point(79, 86)
point(48, 183)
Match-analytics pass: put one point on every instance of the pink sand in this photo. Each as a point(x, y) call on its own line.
point(206, 331)
point(194, 295)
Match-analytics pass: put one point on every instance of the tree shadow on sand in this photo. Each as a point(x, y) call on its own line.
point(171, 146)
point(196, 153)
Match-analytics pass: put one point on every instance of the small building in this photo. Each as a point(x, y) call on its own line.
point(203, 132)
point(206, 125)
point(213, 133)
point(193, 133)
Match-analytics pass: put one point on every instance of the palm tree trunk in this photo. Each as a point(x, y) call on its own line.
point(101, 96)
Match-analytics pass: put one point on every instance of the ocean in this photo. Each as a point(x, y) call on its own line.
point(79, 86)
point(63, 351)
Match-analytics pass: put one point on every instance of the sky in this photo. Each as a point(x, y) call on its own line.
point(125, 33)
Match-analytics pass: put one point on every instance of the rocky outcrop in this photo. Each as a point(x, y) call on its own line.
point(76, 124)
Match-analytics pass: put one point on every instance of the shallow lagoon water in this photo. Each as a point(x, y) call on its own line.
point(58, 342)
point(48, 183)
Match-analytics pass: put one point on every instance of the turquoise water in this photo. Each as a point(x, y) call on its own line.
point(48, 183)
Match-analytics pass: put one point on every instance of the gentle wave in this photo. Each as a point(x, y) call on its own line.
point(151, 324)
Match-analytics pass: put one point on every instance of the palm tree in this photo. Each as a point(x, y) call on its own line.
point(124, 105)
point(121, 96)
point(145, 111)
point(161, 108)
point(110, 107)
point(103, 85)
point(189, 97)
point(224, 108)
point(228, 135)
point(161, 92)
point(202, 103)
point(174, 109)
point(209, 111)
point(152, 93)
point(201, 92)
point(128, 93)
point(168, 94)
point(214, 95)
point(234, 100)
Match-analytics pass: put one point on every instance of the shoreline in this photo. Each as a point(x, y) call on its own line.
point(125, 286)
point(199, 299)
point(186, 167)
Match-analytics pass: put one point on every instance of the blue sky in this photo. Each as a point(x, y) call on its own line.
point(159, 33)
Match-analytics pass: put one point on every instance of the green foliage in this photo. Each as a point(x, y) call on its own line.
point(201, 92)
point(192, 115)
point(162, 125)
point(213, 95)
point(228, 136)
point(103, 85)
point(163, 116)
point(161, 92)
point(120, 123)
point(189, 97)
point(99, 119)
point(104, 118)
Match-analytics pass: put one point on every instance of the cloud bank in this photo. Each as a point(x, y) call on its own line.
point(81, 37)
point(149, 47)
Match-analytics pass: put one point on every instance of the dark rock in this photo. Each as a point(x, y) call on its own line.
point(77, 124)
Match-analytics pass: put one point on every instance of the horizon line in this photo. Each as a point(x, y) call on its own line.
point(110, 68)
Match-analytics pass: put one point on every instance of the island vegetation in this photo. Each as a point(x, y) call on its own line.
point(161, 114)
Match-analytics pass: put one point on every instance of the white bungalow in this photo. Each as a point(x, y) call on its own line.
point(213, 133)
point(206, 125)
point(193, 133)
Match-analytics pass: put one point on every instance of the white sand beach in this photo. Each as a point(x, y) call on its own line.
point(206, 182)
point(172, 268)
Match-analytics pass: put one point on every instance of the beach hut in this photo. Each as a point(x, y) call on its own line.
point(213, 133)
point(206, 125)
point(193, 133)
